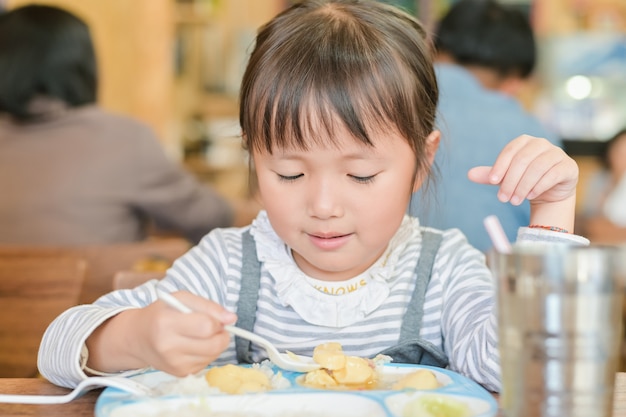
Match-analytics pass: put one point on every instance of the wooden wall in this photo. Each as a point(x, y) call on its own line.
point(133, 42)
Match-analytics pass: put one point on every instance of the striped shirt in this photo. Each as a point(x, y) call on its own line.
point(459, 314)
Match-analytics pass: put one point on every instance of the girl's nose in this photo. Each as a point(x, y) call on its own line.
point(325, 200)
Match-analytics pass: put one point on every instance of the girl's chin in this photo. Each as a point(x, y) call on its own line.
point(326, 270)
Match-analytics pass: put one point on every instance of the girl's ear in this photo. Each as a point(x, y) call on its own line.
point(432, 144)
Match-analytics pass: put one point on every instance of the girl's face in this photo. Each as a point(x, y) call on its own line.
point(337, 207)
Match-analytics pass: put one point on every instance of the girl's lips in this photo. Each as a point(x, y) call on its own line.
point(329, 241)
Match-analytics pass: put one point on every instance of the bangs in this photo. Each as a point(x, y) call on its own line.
point(300, 84)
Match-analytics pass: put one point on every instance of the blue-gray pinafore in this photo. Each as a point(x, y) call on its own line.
point(410, 348)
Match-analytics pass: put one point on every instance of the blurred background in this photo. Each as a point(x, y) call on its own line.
point(176, 65)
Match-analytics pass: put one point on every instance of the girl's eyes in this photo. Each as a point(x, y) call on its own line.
point(289, 178)
point(362, 180)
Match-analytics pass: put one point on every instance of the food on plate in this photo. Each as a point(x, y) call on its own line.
point(436, 406)
point(330, 356)
point(422, 379)
point(339, 370)
point(216, 380)
point(233, 379)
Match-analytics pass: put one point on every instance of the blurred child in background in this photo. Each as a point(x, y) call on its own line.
point(485, 52)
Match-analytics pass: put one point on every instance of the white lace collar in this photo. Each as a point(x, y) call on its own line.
point(296, 289)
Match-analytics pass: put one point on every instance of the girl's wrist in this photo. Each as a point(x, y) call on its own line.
point(551, 228)
point(557, 216)
point(108, 345)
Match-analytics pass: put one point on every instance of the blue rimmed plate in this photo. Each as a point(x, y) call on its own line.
point(296, 400)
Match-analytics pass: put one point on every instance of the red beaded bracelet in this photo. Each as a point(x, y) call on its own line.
point(551, 228)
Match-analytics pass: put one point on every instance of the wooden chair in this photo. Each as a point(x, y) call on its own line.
point(132, 279)
point(34, 290)
point(104, 261)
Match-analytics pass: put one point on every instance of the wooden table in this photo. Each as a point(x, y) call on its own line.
point(81, 407)
point(85, 405)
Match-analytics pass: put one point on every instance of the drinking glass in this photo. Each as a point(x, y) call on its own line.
point(560, 329)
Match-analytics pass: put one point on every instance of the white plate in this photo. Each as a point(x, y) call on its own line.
point(314, 404)
point(478, 407)
point(291, 401)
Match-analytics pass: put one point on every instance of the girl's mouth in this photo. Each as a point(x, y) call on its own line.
point(329, 241)
point(327, 235)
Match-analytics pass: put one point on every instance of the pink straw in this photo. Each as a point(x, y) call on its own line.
point(497, 235)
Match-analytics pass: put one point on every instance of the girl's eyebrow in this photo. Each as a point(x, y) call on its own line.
point(299, 155)
point(362, 155)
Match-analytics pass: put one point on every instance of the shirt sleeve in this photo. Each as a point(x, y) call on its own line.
point(527, 235)
point(61, 357)
point(172, 196)
point(468, 321)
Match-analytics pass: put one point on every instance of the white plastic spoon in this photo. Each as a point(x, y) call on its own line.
point(88, 384)
point(289, 362)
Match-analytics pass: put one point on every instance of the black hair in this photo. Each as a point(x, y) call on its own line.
point(488, 34)
point(365, 63)
point(44, 52)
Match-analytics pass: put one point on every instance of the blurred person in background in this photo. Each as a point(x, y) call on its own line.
point(70, 172)
point(484, 53)
point(603, 212)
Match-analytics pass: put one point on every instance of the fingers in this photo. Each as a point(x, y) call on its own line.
point(480, 175)
point(204, 306)
point(510, 164)
point(184, 343)
point(181, 356)
point(507, 156)
point(206, 320)
point(194, 326)
point(526, 169)
point(530, 168)
point(560, 179)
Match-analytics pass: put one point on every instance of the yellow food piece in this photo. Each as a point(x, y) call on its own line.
point(421, 379)
point(233, 379)
point(320, 378)
point(330, 356)
point(356, 371)
point(339, 370)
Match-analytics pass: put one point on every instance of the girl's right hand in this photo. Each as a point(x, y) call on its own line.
point(182, 343)
point(162, 337)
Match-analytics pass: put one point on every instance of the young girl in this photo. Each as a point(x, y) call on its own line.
point(337, 110)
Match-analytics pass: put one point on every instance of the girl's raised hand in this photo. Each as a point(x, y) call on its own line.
point(535, 169)
point(530, 168)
